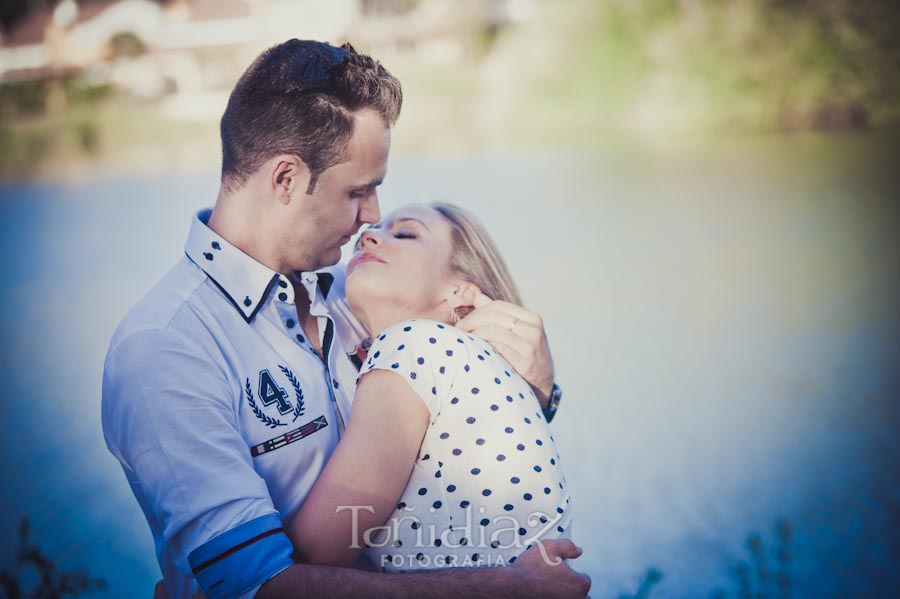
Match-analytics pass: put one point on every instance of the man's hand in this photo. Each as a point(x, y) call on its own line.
point(541, 571)
point(548, 573)
point(518, 334)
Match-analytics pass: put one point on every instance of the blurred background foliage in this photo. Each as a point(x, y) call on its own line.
point(569, 72)
point(722, 65)
point(34, 575)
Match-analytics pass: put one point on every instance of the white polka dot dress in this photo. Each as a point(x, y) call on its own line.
point(488, 481)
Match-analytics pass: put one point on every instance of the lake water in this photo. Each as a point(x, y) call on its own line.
point(722, 319)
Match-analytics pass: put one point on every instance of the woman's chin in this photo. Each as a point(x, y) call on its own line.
point(360, 297)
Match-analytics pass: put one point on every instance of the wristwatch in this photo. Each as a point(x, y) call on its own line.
point(553, 404)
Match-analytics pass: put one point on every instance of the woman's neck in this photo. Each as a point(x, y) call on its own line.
point(376, 321)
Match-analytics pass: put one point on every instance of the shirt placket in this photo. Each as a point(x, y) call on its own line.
point(287, 312)
point(326, 330)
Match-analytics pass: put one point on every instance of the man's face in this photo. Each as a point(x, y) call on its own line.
point(345, 196)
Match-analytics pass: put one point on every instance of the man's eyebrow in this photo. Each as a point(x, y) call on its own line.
point(373, 183)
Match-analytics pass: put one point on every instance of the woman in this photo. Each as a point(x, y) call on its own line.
point(447, 459)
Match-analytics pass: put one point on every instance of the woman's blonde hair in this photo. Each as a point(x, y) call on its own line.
point(474, 256)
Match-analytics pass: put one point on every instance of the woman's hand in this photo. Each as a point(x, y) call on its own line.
point(518, 334)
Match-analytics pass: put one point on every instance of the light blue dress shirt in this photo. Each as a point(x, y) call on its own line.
point(222, 415)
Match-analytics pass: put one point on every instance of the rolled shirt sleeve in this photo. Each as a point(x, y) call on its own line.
point(169, 418)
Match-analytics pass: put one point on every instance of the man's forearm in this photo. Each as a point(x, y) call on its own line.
point(302, 581)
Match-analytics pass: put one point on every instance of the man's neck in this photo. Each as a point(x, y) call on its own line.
point(237, 219)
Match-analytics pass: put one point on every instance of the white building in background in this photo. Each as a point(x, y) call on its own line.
point(183, 49)
point(69, 37)
point(72, 38)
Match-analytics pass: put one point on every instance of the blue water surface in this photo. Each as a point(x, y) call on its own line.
point(722, 322)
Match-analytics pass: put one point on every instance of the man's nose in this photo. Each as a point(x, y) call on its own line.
point(369, 211)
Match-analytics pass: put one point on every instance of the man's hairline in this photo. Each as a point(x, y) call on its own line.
point(314, 177)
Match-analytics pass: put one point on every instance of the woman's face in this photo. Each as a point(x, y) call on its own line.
point(400, 270)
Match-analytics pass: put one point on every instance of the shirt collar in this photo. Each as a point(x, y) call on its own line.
point(244, 281)
point(326, 280)
point(317, 286)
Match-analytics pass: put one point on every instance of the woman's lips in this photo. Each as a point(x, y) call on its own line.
point(363, 257)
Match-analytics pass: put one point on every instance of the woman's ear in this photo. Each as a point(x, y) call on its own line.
point(462, 297)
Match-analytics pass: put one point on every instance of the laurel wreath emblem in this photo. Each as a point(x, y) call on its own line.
point(299, 408)
point(268, 421)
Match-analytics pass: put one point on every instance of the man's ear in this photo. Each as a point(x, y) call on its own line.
point(289, 175)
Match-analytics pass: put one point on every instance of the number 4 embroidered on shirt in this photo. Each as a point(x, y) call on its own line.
point(270, 393)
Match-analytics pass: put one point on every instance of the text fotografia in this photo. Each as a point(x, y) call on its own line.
point(474, 531)
point(422, 560)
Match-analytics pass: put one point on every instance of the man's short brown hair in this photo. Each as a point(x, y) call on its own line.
point(299, 98)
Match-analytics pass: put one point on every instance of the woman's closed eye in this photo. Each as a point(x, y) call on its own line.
point(405, 234)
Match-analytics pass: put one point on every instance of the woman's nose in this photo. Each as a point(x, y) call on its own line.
point(369, 237)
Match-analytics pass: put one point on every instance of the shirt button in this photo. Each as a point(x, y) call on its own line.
point(282, 296)
point(282, 284)
point(335, 383)
point(290, 323)
point(300, 338)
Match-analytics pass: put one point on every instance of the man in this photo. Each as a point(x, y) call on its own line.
point(226, 388)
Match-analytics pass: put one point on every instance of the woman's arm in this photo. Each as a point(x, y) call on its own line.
point(367, 472)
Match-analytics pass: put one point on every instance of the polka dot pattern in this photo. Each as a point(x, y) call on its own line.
point(486, 457)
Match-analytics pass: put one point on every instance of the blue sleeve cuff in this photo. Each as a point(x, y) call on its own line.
point(242, 558)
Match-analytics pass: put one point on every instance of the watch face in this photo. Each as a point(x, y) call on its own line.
point(550, 410)
point(555, 395)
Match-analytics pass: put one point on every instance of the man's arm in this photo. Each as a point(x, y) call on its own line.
point(518, 334)
point(539, 572)
point(168, 416)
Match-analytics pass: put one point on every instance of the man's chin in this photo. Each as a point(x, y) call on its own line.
point(323, 262)
point(330, 259)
